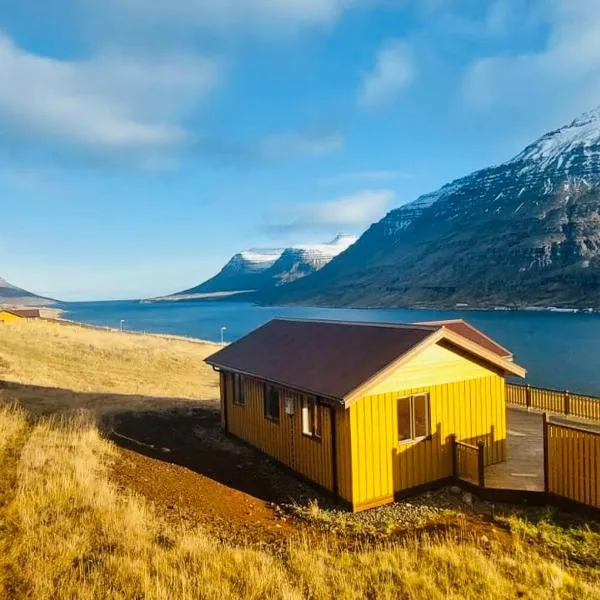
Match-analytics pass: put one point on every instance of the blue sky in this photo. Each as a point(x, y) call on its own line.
point(142, 142)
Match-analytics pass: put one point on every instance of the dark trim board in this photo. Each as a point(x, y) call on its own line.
point(424, 487)
point(505, 496)
point(569, 505)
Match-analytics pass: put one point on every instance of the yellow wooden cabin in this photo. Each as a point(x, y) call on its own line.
point(366, 410)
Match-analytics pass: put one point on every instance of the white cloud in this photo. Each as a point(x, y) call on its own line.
point(347, 212)
point(562, 78)
point(107, 103)
point(295, 144)
point(353, 177)
point(394, 70)
point(266, 16)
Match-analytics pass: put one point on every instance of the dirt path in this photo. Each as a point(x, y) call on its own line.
point(180, 460)
point(183, 495)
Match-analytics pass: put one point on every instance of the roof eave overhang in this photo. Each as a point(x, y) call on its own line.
point(506, 365)
point(323, 398)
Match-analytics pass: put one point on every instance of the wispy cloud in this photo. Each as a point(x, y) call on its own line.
point(107, 103)
point(358, 176)
point(562, 78)
point(267, 18)
point(394, 71)
point(345, 213)
point(299, 144)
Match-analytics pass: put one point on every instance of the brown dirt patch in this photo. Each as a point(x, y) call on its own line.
point(184, 496)
point(180, 460)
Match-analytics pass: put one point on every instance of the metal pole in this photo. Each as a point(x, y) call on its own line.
point(223, 335)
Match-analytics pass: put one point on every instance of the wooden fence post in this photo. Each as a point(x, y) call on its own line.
point(546, 457)
point(528, 396)
point(454, 452)
point(567, 406)
point(481, 463)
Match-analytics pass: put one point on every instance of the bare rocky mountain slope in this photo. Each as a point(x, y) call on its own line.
point(526, 232)
point(11, 295)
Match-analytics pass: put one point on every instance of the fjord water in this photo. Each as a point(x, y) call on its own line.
point(560, 350)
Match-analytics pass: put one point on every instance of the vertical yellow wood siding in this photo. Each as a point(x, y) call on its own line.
point(573, 464)
point(473, 410)
point(283, 440)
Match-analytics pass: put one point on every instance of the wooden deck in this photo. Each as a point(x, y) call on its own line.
point(524, 469)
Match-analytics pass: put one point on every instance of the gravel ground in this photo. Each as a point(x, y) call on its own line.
point(427, 509)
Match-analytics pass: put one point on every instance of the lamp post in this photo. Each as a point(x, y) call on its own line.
point(122, 323)
point(223, 335)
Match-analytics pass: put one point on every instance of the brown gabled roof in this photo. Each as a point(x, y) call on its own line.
point(331, 359)
point(25, 313)
point(473, 334)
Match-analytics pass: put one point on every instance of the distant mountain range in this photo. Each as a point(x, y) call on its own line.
point(11, 295)
point(524, 233)
point(263, 269)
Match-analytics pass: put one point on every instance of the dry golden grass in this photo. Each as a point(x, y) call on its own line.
point(95, 369)
point(67, 532)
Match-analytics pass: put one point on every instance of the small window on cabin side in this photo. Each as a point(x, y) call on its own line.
point(413, 417)
point(311, 418)
point(271, 402)
point(239, 396)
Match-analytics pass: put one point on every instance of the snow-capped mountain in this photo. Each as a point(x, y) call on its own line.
point(299, 261)
point(11, 295)
point(526, 232)
point(241, 273)
point(258, 269)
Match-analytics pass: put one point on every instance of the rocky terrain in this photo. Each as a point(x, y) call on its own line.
point(524, 233)
point(11, 295)
point(262, 269)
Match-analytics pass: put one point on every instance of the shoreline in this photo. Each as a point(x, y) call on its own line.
point(236, 297)
point(166, 336)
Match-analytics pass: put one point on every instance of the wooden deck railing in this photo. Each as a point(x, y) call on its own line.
point(572, 462)
point(468, 461)
point(555, 401)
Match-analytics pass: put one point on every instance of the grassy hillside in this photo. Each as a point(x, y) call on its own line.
point(68, 531)
point(106, 365)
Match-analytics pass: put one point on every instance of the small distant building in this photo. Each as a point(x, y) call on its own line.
point(366, 410)
point(14, 314)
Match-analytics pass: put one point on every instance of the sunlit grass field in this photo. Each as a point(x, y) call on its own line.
point(67, 531)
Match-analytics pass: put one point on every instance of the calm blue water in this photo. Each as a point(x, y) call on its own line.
point(559, 350)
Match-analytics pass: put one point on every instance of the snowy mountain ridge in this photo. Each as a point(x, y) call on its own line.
point(255, 269)
point(525, 232)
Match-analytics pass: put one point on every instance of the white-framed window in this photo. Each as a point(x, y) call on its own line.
point(239, 395)
point(311, 417)
point(271, 403)
point(413, 417)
